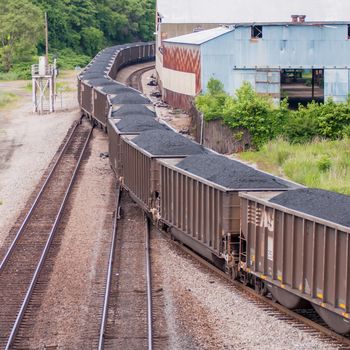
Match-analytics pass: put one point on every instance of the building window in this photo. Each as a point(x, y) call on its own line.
point(348, 31)
point(257, 32)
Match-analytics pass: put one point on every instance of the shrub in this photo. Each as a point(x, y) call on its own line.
point(253, 112)
point(329, 120)
point(324, 163)
point(212, 103)
point(68, 59)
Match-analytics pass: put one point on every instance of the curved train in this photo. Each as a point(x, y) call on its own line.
point(267, 232)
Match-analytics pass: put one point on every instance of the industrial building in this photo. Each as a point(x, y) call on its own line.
point(281, 54)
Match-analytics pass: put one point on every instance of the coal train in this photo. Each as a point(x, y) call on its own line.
point(274, 235)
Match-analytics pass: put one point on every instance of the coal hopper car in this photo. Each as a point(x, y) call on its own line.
point(297, 244)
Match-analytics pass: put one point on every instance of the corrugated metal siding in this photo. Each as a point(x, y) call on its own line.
point(336, 84)
point(179, 82)
point(293, 46)
point(235, 57)
point(183, 58)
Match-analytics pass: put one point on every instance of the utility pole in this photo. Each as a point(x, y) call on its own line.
point(46, 41)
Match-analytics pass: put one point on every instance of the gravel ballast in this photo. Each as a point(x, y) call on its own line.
point(206, 312)
point(229, 173)
point(139, 123)
point(167, 143)
point(132, 110)
point(323, 204)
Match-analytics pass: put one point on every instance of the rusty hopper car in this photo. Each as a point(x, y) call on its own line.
point(95, 96)
point(130, 125)
point(140, 169)
point(200, 204)
point(298, 245)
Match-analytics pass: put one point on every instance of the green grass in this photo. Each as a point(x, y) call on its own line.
point(63, 87)
point(9, 76)
point(322, 164)
point(6, 98)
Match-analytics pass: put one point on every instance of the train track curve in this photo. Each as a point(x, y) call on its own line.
point(135, 78)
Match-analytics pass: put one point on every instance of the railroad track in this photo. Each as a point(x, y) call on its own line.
point(127, 310)
point(304, 320)
point(135, 79)
point(24, 260)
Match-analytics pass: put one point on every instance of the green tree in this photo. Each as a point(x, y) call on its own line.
point(92, 40)
point(212, 103)
point(21, 26)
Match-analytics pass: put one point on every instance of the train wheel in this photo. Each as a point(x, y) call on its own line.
point(287, 299)
point(336, 322)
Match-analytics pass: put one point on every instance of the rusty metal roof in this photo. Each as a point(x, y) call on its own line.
point(241, 11)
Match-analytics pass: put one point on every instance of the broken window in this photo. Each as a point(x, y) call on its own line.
point(257, 32)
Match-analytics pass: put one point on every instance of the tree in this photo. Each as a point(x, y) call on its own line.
point(92, 40)
point(21, 26)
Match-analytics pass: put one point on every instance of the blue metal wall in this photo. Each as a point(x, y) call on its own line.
point(235, 57)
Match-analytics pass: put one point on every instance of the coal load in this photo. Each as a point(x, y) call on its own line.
point(129, 98)
point(139, 124)
point(167, 143)
point(323, 204)
point(229, 173)
point(115, 89)
point(132, 110)
point(100, 82)
point(90, 76)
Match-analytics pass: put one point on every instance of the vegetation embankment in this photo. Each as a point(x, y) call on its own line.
point(77, 30)
point(322, 163)
point(310, 145)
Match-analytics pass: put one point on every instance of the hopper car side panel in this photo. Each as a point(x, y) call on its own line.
point(200, 211)
point(136, 171)
point(101, 107)
point(86, 98)
point(298, 253)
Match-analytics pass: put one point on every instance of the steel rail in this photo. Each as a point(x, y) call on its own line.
point(247, 290)
point(149, 287)
point(41, 262)
point(134, 79)
point(109, 273)
point(29, 214)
